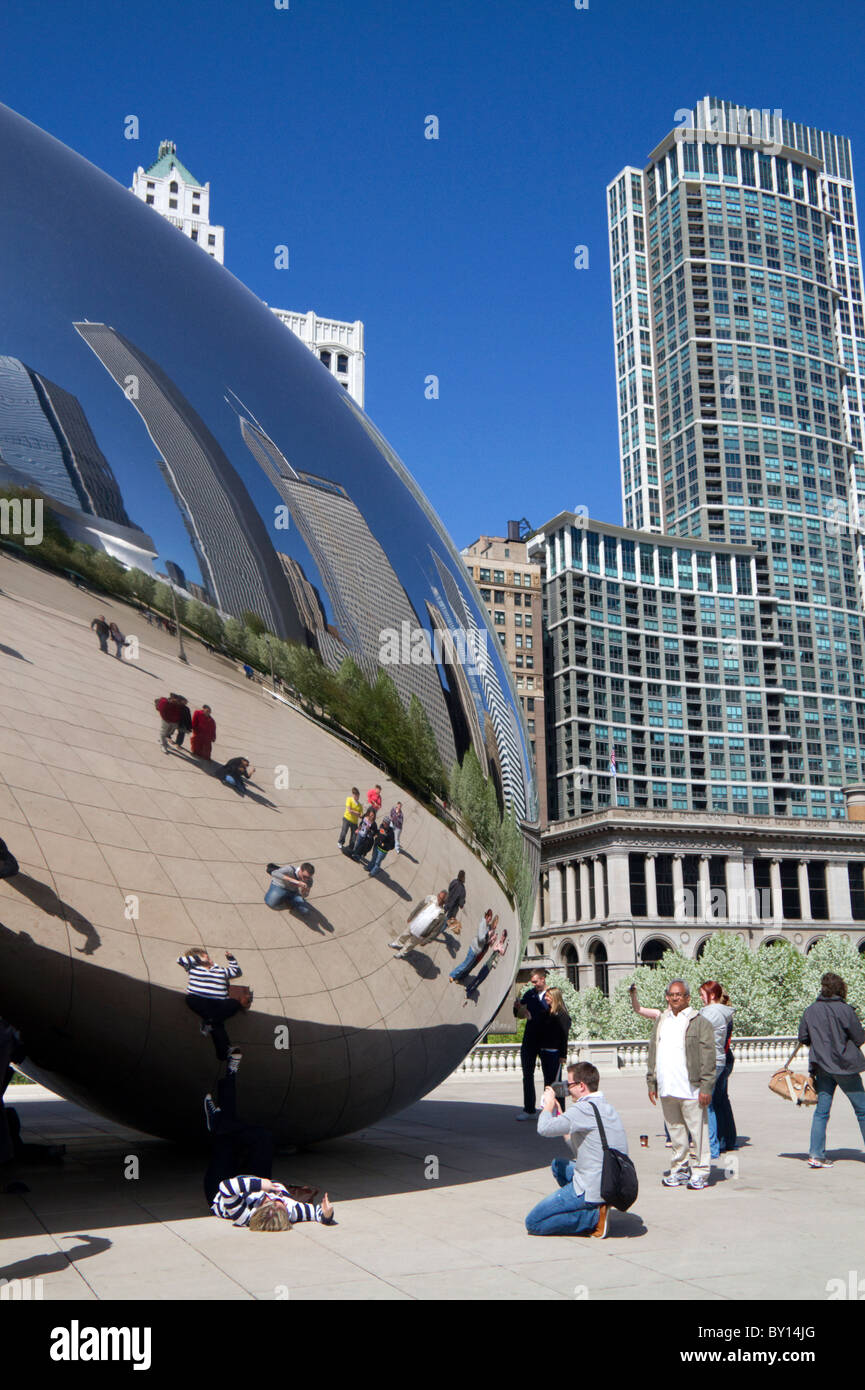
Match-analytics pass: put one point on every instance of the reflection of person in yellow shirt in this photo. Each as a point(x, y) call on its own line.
point(351, 816)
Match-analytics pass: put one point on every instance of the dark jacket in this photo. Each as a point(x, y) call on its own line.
point(832, 1029)
point(538, 1009)
point(456, 897)
point(185, 720)
point(699, 1053)
point(384, 839)
point(553, 1030)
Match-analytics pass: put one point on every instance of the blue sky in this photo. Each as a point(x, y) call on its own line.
point(456, 253)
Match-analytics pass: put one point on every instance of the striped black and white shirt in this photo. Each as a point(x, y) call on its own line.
point(238, 1198)
point(211, 981)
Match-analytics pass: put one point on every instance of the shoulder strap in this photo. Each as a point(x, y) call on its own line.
point(600, 1125)
point(793, 1054)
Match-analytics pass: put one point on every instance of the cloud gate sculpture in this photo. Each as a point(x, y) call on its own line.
point(156, 417)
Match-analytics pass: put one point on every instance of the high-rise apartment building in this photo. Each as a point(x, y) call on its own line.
point(740, 344)
point(171, 190)
point(705, 661)
point(510, 585)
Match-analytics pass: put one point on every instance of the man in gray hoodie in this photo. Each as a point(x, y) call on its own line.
point(832, 1029)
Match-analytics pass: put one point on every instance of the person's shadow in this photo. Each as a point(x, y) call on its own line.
point(421, 963)
point(404, 854)
point(314, 918)
point(384, 877)
point(47, 900)
point(10, 651)
point(57, 1261)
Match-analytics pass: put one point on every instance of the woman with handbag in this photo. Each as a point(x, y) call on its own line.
point(832, 1030)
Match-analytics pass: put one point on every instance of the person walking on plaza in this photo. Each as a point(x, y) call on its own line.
point(424, 923)
point(534, 1006)
point(384, 841)
point(719, 1115)
point(396, 820)
point(478, 947)
point(117, 638)
point(681, 1071)
point(207, 994)
point(578, 1207)
point(203, 733)
point(103, 632)
point(350, 819)
point(170, 712)
point(184, 723)
point(832, 1029)
point(290, 886)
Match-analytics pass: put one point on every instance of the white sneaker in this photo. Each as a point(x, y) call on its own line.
point(526, 1115)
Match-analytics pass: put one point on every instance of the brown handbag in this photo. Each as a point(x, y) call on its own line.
point(793, 1085)
point(243, 995)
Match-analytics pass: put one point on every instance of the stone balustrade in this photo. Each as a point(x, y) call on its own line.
point(503, 1059)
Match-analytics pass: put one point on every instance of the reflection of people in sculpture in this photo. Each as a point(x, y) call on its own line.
point(117, 638)
point(207, 994)
point(425, 922)
point(290, 886)
point(366, 833)
point(203, 732)
point(235, 772)
point(478, 947)
point(237, 1184)
point(498, 945)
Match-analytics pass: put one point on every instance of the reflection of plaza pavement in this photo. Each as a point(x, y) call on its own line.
point(771, 1229)
point(106, 825)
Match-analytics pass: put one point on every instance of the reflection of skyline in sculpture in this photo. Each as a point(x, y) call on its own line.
point(45, 435)
point(362, 585)
point(465, 717)
point(321, 636)
point(238, 562)
point(497, 706)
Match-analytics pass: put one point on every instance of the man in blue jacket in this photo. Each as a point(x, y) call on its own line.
point(832, 1029)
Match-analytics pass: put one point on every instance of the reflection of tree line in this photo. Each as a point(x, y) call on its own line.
point(401, 738)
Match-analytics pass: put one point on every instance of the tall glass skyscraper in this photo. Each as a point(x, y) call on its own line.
point(740, 361)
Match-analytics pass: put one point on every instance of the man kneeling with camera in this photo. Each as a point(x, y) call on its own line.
point(578, 1207)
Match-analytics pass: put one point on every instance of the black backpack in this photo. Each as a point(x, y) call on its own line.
point(619, 1185)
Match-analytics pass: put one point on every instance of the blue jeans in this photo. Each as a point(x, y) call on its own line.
point(465, 964)
point(566, 1212)
point(713, 1110)
point(237, 783)
point(375, 863)
point(855, 1093)
point(278, 897)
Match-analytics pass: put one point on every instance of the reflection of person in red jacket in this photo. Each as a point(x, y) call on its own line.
point(203, 732)
point(373, 797)
point(170, 708)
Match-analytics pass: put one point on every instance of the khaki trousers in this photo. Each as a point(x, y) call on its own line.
point(684, 1119)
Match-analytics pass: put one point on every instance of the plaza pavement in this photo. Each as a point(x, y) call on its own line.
point(768, 1227)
